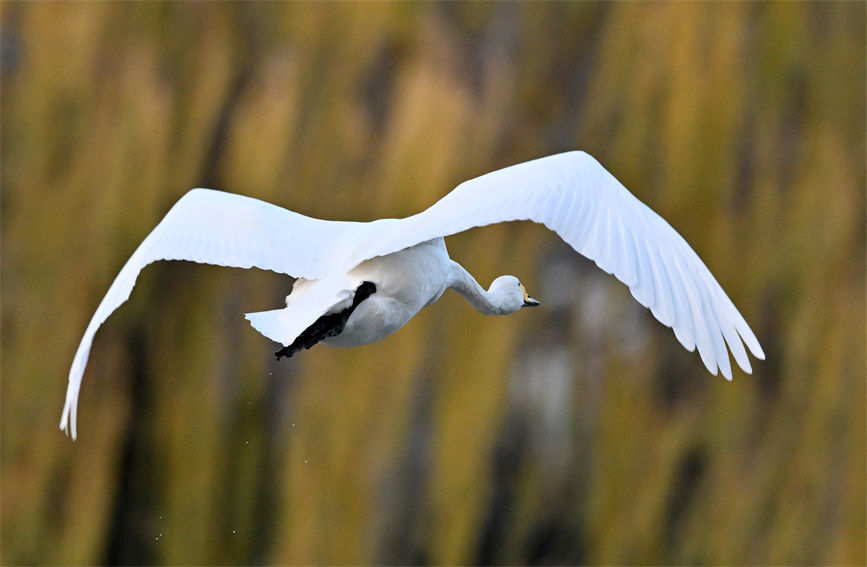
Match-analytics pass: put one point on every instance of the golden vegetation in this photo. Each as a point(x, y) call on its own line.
point(576, 433)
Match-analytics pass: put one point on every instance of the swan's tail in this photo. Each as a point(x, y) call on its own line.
point(306, 303)
point(269, 323)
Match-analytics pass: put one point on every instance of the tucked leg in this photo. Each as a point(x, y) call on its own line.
point(329, 325)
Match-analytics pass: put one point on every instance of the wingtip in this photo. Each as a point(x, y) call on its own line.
point(750, 339)
point(68, 433)
point(66, 429)
point(758, 353)
point(68, 417)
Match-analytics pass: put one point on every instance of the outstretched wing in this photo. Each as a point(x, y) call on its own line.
point(213, 227)
point(573, 195)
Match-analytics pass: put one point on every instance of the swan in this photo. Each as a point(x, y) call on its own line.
point(358, 282)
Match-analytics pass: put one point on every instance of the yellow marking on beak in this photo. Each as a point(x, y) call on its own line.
point(528, 301)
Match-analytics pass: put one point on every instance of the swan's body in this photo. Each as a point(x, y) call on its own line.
point(403, 282)
point(359, 282)
point(401, 291)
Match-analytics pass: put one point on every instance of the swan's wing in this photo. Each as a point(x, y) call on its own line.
point(213, 227)
point(573, 195)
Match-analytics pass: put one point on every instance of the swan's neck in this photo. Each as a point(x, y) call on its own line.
point(484, 301)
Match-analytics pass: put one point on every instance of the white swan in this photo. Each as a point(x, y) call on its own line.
point(360, 282)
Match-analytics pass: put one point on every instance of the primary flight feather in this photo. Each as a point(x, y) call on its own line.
point(359, 282)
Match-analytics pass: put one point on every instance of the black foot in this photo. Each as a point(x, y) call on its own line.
point(327, 326)
point(286, 351)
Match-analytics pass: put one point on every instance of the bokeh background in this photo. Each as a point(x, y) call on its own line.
point(579, 432)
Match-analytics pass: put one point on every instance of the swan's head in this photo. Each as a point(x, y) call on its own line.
point(510, 294)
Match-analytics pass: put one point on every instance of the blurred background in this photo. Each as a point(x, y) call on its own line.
point(577, 433)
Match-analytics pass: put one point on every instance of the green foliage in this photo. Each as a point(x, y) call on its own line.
point(580, 432)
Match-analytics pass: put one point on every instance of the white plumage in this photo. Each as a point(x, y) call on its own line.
point(406, 259)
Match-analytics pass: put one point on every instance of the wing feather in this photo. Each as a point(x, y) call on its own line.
point(643, 290)
point(715, 330)
point(662, 304)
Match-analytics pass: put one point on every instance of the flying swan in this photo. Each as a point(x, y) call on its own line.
point(358, 282)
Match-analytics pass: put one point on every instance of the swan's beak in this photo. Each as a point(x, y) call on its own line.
point(528, 301)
